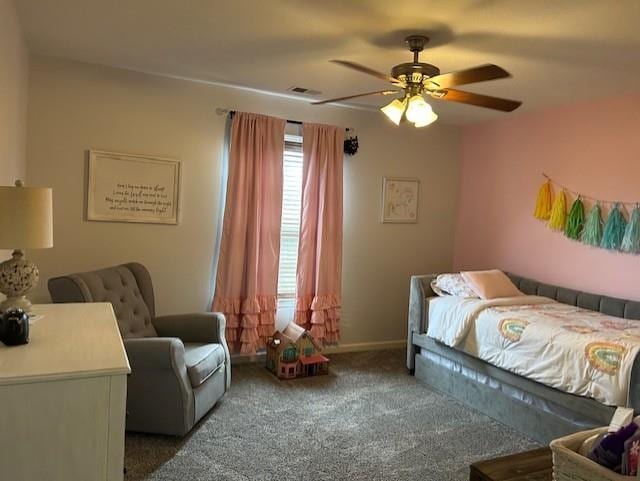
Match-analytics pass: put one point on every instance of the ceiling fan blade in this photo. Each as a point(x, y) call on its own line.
point(369, 71)
point(377, 92)
point(469, 76)
point(495, 103)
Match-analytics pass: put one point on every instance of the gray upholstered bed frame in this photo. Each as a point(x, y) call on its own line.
point(541, 412)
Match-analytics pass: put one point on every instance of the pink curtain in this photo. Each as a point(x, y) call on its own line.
point(319, 296)
point(247, 276)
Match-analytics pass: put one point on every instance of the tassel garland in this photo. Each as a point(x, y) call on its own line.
point(614, 229)
point(558, 216)
point(592, 232)
point(615, 234)
point(575, 222)
point(543, 202)
point(631, 239)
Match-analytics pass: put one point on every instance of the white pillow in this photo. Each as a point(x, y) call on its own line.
point(437, 290)
point(454, 285)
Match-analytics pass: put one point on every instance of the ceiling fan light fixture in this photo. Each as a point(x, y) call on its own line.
point(418, 110)
point(394, 110)
point(416, 80)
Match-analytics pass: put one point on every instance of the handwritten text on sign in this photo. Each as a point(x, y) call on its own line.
point(151, 199)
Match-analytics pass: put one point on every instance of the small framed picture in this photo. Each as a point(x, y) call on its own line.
point(400, 200)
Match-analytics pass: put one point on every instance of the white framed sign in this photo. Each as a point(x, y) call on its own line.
point(400, 200)
point(132, 188)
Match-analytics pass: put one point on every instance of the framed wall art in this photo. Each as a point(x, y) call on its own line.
point(400, 200)
point(132, 188)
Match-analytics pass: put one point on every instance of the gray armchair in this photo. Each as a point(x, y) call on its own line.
point(180, 365)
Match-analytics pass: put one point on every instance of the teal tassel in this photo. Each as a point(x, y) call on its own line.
point(631, 240)
point(575, 222)
point(592, 232)
point(614, 229)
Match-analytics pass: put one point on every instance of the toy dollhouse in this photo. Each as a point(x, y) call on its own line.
point(293, 353)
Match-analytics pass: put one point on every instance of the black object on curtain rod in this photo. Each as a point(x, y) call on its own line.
point(350, 141)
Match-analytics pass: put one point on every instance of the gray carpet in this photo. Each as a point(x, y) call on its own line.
point(366, 420)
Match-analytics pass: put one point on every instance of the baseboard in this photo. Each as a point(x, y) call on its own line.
point(338, 349)
point(364, 346)
point(259, 358)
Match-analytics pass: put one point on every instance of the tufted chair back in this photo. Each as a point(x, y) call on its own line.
point(127, 287)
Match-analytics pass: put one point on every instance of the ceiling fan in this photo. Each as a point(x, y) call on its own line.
point(415, 80)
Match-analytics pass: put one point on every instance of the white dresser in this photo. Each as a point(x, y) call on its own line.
point(63, 397)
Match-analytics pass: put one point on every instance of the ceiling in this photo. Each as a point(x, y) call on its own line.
point(559, 51)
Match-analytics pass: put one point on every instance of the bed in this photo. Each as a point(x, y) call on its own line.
point(513, 394)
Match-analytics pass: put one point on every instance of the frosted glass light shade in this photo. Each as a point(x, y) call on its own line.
point(431, 119)
point(394, 110)
point(26, 217)
point(418, 110)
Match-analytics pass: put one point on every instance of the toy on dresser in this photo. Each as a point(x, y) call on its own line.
point(293, 353)
point(14, 327)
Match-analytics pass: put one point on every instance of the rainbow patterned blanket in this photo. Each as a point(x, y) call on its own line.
point(572, 349)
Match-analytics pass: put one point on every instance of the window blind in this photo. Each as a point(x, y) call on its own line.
point(291, 207)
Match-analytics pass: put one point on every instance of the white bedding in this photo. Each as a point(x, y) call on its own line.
point(572, 349)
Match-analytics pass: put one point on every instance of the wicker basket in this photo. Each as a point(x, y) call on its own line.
point(568, 465)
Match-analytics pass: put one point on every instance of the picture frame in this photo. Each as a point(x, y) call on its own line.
point(400, 196)
point(132, 188)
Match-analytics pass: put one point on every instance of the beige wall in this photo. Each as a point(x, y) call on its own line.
point(74, 107)
point(13, 98)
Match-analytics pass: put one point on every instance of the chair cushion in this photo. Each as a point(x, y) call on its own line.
point(118, 286)
point(202, 361)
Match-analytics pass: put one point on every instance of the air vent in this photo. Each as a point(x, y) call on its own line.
point(302, 90)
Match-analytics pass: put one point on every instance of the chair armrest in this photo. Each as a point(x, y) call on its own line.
point(159, 353)
point(203, 327)
point(159, 394)
point(200, 327)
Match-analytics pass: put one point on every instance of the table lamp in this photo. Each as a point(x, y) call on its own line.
point(26, 222)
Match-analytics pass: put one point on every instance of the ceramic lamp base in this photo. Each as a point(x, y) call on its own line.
point(20, 302)
point(17, 277)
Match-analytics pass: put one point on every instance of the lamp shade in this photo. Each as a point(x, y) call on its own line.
point(428, 120)
point(418, 110)
point(26, 217)
point(394, 110)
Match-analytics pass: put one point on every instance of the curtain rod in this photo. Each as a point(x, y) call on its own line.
point(221, 111)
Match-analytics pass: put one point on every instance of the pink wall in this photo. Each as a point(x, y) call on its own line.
point(593, 148)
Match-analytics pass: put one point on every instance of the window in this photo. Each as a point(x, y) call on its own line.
point(289, 354)
point(290, 227)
